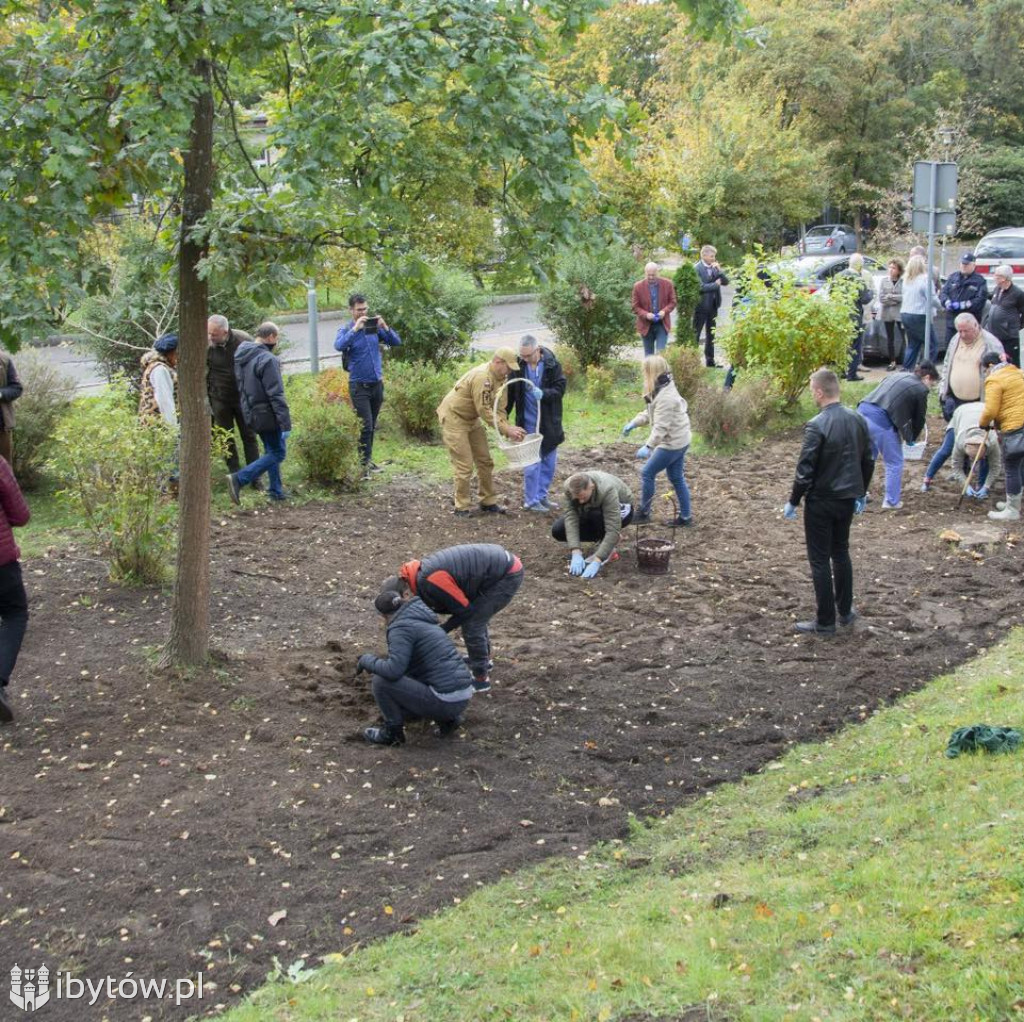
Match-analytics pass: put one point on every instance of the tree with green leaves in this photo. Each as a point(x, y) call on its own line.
point(103, 99)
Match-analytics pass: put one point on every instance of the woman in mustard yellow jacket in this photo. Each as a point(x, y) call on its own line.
point(1004, 408)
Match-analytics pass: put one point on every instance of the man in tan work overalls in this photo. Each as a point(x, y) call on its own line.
point(463, 412)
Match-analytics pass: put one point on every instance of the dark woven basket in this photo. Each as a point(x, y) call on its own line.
point(652, 556)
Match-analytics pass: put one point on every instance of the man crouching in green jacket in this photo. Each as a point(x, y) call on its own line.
point(597, 507)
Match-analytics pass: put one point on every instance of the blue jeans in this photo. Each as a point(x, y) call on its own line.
point(656, 338)
point(671, 463)
point(537, 478)
point(885, 440)
point(269, 462)
point(914, 325)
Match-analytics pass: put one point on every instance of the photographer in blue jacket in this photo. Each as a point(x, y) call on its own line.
point(359, 342)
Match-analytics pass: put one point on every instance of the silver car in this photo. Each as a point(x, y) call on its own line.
point(998, 247)
point(829, 239)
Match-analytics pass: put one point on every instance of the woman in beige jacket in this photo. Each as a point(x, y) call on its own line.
point(669, 440)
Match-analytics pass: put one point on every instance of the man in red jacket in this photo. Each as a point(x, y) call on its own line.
point(13, 601)
point(654, 301)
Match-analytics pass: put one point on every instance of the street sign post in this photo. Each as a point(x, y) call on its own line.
point(934, 209)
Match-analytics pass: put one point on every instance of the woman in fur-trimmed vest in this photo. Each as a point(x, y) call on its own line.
point(158, 391)
point(668, 442)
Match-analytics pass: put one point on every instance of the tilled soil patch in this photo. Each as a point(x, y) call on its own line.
point(163, 825)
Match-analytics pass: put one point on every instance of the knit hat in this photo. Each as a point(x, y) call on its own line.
point(166, 343)
point(508, 356)
point(388, 602)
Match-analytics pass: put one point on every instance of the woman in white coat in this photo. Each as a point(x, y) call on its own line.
point(669, 440)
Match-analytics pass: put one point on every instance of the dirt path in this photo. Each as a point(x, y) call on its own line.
point(154, 825)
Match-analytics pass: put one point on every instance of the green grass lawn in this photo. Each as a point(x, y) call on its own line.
point(865, 878)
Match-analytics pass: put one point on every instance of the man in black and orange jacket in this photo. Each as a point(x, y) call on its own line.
point(471, 583)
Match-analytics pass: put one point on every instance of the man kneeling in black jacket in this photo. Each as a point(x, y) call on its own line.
point(422, 676)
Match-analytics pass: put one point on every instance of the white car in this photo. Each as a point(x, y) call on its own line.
point(997, 247)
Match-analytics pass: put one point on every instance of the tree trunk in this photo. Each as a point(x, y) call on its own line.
point(190, 611)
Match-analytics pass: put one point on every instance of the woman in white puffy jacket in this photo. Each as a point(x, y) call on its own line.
point(668, 442)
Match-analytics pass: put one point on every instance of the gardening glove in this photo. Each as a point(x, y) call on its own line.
point(644, 452)
point(789, 512)
point(577, 564)
point(365, 662)
point(537, 392)
point(628, 428)
point(859, 504)
point(287, 433)
point(592, 569)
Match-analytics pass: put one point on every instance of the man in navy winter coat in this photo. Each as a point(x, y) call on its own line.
point(964, 291)
point(261, 392)
point(422, 677)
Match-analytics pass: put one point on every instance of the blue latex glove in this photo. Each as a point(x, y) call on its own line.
point(657, 317)
point(644, 452)
point(285, 434)
point(592, 569)
point(628, 428)
point(789, 512)
point(536, 391)
point(577, 564)
point(859, 504)
point(948, 304)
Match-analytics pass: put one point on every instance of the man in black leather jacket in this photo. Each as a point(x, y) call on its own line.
point(833, 474)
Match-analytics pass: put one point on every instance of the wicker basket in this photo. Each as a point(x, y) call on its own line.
point(525, 452)
point(915, 452)
point(652, 556)
point(653, 553)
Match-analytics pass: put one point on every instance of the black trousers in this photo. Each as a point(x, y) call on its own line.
point(228, 415)
point(704, 319)
point(408, 699)
point(475, 628)
point(827, 532)
point(13, 618)
point(591, 525)
point(367, 399)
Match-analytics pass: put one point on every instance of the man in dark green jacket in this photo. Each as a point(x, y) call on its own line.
point(597, 506)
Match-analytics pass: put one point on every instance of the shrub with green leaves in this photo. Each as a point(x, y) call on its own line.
point(786, 332)
point(40, 409)
point(413, 390)
point(570, 363)
point(722, 417)
point(687, 285)
point(114, 473)
point(434, 309)
point(326, 442)
point(687, 365)
point(600, 381)
point(587, 304)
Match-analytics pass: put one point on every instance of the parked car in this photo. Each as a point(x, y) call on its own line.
point(997, 247)
point(829, 239)
point(813, 272)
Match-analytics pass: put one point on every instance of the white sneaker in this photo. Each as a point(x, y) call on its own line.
point(886, 506)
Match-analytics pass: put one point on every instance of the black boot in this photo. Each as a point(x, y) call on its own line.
point(6, 713)
point(446, 728)
point(389, 734)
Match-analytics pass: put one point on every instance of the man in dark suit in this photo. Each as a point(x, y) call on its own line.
point(654, 301)
point(711, 280)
